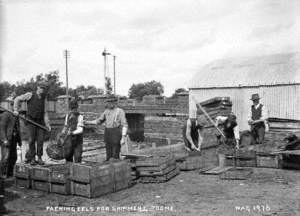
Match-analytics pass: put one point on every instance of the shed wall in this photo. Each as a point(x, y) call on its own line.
point(282, 101)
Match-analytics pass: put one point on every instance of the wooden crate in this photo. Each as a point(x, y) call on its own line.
point(22, 170)
point(60, 188)
point(93, 189)
point(159, 179)
point(241, 161)
point(268, 160)
point(41, 173)
point(40, 185)
point(237, 174)
point(85, 173)
point(96, 179)
point(191, 163)
point(155, 161)
point(60, 173)
point(23, 182)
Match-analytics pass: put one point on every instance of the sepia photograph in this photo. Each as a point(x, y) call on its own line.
point(147, 108)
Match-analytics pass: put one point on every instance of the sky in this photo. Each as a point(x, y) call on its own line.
point(163, 40)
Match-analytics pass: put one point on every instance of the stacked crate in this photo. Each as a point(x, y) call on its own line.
point(156, 169)
point(59, 179)
point(96, 179)
point(22, 173)
point(40, 178)
point(191, 162)
point(242, 159)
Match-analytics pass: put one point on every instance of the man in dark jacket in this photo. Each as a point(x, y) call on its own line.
point(36, 111)
point(10, 137)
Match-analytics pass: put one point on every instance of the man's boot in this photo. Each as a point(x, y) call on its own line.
point(40, 161)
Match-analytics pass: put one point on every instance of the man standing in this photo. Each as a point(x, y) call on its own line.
point(115, 127)
point(10, 137)
point(191, 133)
point(36, 112)
point(232, 136)
point(257, 118)
point(74, 129)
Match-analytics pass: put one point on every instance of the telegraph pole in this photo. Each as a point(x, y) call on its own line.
point(114, 75)
point(104, 54)
point(67, 55)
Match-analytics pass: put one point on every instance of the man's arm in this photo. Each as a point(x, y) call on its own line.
point(236, 132)
point(99, 120)
point(123, 122)
point(23, 97)
point(79, 128)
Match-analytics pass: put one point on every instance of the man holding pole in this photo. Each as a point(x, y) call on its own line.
point(115, 127)
point(36, 111)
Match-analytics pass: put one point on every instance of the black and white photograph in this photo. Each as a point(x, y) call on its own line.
point(147, 108)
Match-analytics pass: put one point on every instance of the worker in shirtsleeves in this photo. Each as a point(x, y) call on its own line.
point(115, 127)
point(232, 137)
point(36, 111)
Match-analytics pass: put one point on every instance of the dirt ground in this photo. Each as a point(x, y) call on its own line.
point(266, 192)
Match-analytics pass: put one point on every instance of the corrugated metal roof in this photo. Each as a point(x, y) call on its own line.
point(252, 71)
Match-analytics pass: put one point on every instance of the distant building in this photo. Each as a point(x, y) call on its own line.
point(275, 77)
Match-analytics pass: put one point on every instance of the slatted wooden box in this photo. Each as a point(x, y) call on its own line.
point(268, 160)
point(96, 179)
point(59, 179)
point(22, 173)
point(190, 163)
point(40, 185)
point(41, 173)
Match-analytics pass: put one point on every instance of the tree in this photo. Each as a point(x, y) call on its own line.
point(5, 90)
point(178, 91)
point(138, 91)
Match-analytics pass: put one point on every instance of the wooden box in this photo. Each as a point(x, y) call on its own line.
point(41, 173)
point(122, 175)
point(60, 188)
point(85, 173)
point(268, 160)
point(160, 178)
point(191, 163)
point(40, 185)
point(93, 189)
point(60, 173)
point(22, 170)
point(23, 182)
point(241, 161)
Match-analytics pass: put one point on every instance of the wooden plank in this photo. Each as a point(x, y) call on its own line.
point(237, 174)
point(216, 170)
point(60, 188)
point(158, 179)
point(154, 161)
point(268, 160)
point(157, 173)
point(40, 185)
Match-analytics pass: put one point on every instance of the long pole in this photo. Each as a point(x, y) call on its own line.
point(114, 75)
point(67, 55)
point(28, 120)
point(105, 53)
point(208, 116)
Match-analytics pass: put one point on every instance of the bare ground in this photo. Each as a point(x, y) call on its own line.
point(267, 192)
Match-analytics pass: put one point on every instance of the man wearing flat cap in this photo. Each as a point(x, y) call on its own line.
point(115, 127)
point(257, 119)
point(74, 129)
point(36, 111)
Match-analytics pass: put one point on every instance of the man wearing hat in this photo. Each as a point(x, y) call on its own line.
point(74, 129)
point(115, 127)
point(9, 138)
point(36, 111)
point(257, 118)
point(232, 136)
point(192, 133)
